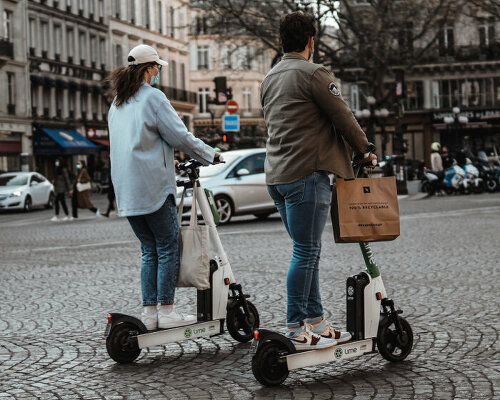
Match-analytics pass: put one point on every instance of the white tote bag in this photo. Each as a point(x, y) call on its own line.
point(81, 187)
point(194, 245)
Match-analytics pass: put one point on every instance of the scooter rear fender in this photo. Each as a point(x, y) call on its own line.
point(266, 335)
point(117, 318)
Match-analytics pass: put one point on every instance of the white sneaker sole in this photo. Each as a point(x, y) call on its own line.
point(305, 347)
point(175, 324)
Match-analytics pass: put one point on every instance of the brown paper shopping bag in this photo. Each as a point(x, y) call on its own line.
point(365, 210)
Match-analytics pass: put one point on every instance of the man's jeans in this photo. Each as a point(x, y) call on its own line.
point(303, 206)
point(159, 236)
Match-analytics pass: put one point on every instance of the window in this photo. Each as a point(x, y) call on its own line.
point(93, 50)
point(203, 97)
point(201, 25)
point(435, 95)
point(71, 103)
point(80, 6)
point(147, 14)
point(354, 98)
point(59, 101)
point(486, 34)
point(57, 40)
point(69, 4)
point(446, 41)
point(32, 33)
point(83, 47)
point(247, 99)
point(117, 8)
point(83, 102)
point(7, 25)
point(183, 76)
point(70, 43)
point(118, 56)
point(202, 57)
point(131, 11)
point(91, 8)
point(173, 74)
point(101, 9)
point(226, 57)
point(160, 18)
point(254, 164)
point(172, 29)
point(44, 35)
point(11, 88)
point(102, 51)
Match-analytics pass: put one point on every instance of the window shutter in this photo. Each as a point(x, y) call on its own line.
point(193, 60)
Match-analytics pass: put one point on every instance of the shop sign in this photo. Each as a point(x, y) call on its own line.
point(472, 115)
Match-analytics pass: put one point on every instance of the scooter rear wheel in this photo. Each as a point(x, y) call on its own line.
point(121, 343)
point(267, 366)
point(237, 325)
point(391, 346)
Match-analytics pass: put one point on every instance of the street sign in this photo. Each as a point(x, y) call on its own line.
point(232, 107)
point(231, 123)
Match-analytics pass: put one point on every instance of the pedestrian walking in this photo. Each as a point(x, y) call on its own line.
point(80, 195)
point(61, 187)
point(310, 133)
point(111, 197)
point(144, 129)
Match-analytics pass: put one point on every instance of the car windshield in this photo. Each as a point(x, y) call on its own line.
point(216, 169)
point(13, 180)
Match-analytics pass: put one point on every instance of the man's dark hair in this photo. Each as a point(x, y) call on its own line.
point(295, 31)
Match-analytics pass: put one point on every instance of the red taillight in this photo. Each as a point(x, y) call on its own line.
point(109, 318)
point(256, 335)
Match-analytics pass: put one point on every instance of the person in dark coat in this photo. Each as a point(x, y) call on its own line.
point(61, 187)
point(81, 198)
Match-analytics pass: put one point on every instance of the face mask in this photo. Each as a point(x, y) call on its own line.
point(155, 79)
point(78, 166)
point(57, 163)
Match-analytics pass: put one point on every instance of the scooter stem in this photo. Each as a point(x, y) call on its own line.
point(371, 265)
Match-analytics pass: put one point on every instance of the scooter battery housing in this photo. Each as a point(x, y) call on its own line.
point(204, 309)
point(355, 290)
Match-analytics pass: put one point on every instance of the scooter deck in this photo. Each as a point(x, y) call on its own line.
point(340, 352)
point(177, 334)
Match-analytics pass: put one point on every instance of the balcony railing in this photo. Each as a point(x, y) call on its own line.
point(180, 94)
point(6, 49)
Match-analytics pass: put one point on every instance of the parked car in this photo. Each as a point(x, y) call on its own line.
point(238, 185)
point(25, 190)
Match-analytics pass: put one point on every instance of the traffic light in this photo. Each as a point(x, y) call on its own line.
point(220, 90)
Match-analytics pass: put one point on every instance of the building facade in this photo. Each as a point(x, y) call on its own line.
point(15, 111)
point(244, 64)
point(452, 95)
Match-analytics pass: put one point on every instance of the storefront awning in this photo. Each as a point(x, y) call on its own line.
point(61, 141)
point(101, 142)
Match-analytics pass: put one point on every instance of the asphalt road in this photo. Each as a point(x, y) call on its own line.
point(59, 280)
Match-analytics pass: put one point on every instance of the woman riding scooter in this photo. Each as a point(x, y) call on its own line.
point(144, 129)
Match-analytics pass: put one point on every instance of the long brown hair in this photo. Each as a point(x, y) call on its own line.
point(126, 81)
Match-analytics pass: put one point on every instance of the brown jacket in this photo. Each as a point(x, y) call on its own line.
point(84, 196)
point(309, 125)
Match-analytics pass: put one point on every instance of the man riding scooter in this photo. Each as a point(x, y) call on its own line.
point(308, 125)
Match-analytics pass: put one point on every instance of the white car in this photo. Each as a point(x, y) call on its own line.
point(25, 190)
point(238, 185)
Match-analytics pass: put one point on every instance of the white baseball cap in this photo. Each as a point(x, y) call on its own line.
point(144, 54)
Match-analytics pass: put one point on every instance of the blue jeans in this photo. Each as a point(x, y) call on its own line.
point(159, 236)
point(303, 206)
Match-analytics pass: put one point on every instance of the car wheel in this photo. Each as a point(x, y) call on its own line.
point(50, 202)
point(225, 208)
point(27, 204)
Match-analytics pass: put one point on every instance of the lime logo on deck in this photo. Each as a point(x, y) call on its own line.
point(338, 353)
point(187, 333)
point(351, 351)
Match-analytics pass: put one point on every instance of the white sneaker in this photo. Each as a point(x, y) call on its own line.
point(55, 218)
point(98, 214)
point(66, 218)
point(174, 319)
point(70, 219)
point(149, 318)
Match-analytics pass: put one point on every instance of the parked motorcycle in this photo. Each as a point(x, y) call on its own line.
point(472, 177)
point(455, 181)
point(487, 173)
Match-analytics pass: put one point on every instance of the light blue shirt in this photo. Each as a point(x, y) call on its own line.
point(143, 134)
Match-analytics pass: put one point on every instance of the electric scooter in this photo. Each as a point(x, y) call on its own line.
point(223, 302)
point(372, 319)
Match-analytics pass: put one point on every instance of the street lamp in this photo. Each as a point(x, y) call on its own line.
point(457, 121)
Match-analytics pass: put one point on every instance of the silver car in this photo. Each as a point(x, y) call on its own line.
point(24, 190)
point(238, 185)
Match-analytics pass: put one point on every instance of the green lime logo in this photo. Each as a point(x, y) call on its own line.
point(187, 333)
point(338, 353)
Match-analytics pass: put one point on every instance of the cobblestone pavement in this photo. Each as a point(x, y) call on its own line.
point(59, 280)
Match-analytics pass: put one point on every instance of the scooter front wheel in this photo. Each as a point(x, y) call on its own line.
point(238, 326)
point(392, 346)
point(121, 343)
point(268, 364)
